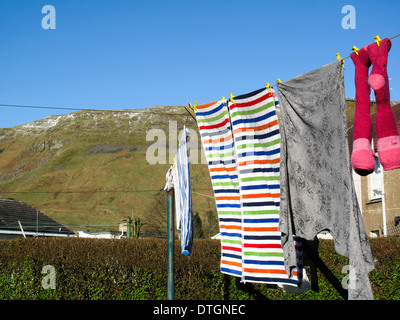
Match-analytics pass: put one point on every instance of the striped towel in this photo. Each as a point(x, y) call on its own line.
point(257, 142)
point(217, 139)
point(183, 194)
point(243, 154)
point(177, 197)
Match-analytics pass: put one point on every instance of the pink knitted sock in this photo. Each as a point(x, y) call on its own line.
point(362, 158)
point(386, 126)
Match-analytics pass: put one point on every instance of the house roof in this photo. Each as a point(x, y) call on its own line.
point(32, 220)
point(396, 112)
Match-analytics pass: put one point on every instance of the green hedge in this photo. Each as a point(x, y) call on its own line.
point(92, 269)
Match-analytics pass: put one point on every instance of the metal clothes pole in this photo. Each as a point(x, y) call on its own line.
point(314, 257)
point(128, 228)
point(383, 203)
point(171, 249)
point(37, 223)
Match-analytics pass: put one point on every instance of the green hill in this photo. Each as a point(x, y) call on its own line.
point(90, 167)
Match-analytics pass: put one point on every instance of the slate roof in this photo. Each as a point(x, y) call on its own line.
point(33, 221)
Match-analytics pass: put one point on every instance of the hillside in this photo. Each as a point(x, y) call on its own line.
point(90, 167)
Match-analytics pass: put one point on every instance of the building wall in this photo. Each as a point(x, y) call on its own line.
point(392, 197)
point(372, 209)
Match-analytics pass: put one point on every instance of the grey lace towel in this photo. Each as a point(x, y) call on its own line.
point(317, 189)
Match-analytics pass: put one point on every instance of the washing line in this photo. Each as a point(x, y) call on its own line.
point(377, 40)
point(204, 195)
point(190, 109)
point(81, 191)
point(355, 49)
point(82, 109)
point(379, 211)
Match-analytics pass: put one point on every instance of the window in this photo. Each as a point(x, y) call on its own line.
point(375, 180)
point(374, 234)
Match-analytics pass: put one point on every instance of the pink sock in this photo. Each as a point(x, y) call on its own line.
point(386, 127)
point(362, 158)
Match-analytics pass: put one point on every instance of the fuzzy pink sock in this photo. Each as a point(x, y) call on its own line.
point(362, 158)
point(386, 127)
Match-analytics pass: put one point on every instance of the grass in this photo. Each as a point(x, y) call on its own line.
point(45, 175)
point(50, 173)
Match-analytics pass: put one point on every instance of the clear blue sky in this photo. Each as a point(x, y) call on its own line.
point(119, 54)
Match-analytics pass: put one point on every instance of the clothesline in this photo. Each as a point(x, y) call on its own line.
point(377, 36)
point(255, 221)
point(290, 161)
point(377, 39)
point(338, 55)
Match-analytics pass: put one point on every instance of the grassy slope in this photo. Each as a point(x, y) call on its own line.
point(57, 168)
point(75, 182)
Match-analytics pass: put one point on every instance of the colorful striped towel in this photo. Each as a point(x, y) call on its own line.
point(257, 142)
point(243, 159)
point(217, 139)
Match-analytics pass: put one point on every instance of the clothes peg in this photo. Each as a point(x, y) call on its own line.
point(232, 96)
point(223, 100)
point(377, 40)
point(355, 49)
point(195, 106)
point(278, 81)
point(338, 57)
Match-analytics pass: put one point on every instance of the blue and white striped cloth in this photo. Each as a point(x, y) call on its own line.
point(183, 194)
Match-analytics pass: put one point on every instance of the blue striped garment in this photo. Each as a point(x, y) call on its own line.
point(183, 193)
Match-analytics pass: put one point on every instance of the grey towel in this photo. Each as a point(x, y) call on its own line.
point(317, 189)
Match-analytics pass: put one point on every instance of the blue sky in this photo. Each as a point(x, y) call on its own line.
point(120, 54)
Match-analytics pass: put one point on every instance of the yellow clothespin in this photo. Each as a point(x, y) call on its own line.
point(338, 57)
point(268, 87)
point(223, 100)
point(232, 96)
point(377, 40)
point(355, 49)
point(191, 106)
point(279, 81)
